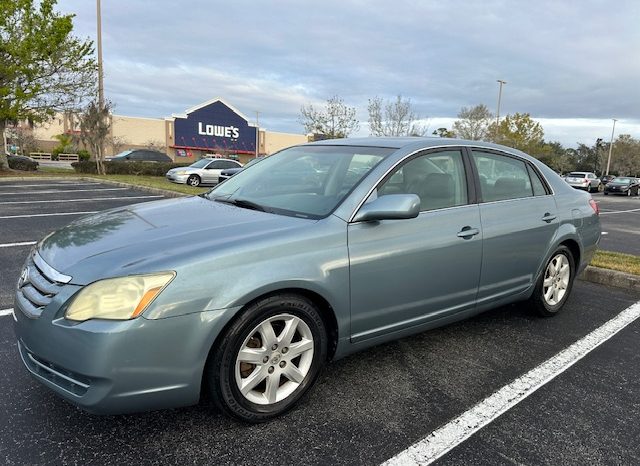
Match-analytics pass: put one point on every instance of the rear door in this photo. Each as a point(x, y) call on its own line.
point(519, 222)
point(404, 273)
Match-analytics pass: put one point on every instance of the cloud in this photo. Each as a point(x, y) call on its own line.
point(562, 60)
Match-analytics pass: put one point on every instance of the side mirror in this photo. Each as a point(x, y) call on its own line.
point(389, 207)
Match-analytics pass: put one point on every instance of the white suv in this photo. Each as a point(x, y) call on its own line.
point(584, 180)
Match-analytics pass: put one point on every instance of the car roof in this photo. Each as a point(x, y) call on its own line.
point(416, 143)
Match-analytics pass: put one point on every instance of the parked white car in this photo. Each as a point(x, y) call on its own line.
point(584, 180)
point(204, 171)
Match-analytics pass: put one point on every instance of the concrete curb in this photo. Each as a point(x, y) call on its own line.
point(611, 278)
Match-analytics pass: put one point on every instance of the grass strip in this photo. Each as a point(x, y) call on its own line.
point(617, 261)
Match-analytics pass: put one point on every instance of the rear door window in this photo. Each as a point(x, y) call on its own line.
point(502, 177)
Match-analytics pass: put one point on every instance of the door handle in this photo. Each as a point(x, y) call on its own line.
point(468, 232)
point(547, 217)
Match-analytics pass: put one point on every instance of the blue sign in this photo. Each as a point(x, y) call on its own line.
point(214, 126)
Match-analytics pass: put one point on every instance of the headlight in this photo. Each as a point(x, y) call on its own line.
point(117, 298)
point(182, 172)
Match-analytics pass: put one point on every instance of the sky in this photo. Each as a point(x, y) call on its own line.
point(573, 65)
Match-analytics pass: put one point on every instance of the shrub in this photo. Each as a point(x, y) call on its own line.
point(16, 163)
point(84, 154)
point(127, 168)
point(55, 153)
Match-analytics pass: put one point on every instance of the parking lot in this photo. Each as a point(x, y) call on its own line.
point(365, 408)
point(620, 220)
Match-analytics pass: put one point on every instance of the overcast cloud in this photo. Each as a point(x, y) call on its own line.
point(573, 65)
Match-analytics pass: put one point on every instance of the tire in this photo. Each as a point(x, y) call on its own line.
point(544, 299)
point(629, 192)
point(247, 390)
point(194, 180)
point(606, 193)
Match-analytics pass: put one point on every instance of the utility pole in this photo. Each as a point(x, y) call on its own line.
point(100, 72)
point(257, 133)
point(501, 82)
point(611, 145)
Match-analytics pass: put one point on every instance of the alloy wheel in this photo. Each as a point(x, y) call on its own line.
point(274, 359)
point(556, 279)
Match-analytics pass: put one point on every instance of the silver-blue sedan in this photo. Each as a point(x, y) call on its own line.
point(318, 251)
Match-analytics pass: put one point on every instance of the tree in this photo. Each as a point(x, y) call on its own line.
point(473, 123)
point(95, 124)
point(444, 133)
point(519, 131)
point(154, 144)
point(397, 118)
point(625, 156)
point(336, 120)
point(43, 67)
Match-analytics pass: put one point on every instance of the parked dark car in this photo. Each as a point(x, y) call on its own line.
point(247, 291)
point(21, 162)
point(229, 172)
point(141, 155)
point(606, 178)
point(626, 185)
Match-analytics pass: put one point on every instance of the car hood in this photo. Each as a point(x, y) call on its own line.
point(184, 169)
point(154, 236)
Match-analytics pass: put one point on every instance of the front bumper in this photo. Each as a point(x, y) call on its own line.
point(182, 179)
point(616, 189)
point(115, 367)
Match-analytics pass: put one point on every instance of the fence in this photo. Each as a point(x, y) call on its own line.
point(61, 157)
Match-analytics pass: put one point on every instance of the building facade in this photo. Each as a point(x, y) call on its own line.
point(211, 128)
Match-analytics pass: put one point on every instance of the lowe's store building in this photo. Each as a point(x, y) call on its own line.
point(211, 128)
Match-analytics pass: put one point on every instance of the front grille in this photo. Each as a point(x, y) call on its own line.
point(38, 285)
point(71, 382)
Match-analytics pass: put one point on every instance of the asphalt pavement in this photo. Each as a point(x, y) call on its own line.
point(620, 220)
point(365, 408)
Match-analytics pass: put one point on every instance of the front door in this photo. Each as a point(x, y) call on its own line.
point(406, 272)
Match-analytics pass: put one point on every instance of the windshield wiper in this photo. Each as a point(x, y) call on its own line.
point(244, 203)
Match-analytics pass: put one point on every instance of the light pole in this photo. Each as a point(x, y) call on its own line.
point(611, 145)
point(501, 82)
point(99, 37)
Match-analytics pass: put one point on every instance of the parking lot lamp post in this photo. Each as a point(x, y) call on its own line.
point(611, 146)
point(501, 82)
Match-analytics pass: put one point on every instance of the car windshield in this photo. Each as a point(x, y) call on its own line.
point(302, 181)
point(622, 180)
point(122, 154)
point(252, 162)
point(200, 163)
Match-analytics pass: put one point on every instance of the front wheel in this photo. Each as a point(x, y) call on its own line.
point(268, 358)
point(555, 283)
point(193, 180)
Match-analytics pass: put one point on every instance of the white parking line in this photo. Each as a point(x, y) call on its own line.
point(81, 200)
point(13, 245)
point(619, 211)
point(6, 312)
point(49, 215)
point(452, 434)
point(71, 183)
point(54, 191)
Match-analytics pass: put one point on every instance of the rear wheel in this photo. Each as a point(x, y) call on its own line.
point(555, 283)
point(268, 358)
point(193, 180)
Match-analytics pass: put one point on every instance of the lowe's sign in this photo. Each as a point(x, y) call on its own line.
point(213, 126)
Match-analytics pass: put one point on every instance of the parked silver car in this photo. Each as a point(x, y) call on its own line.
point(584, 180)
point(314, 253)
point(204, 171)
